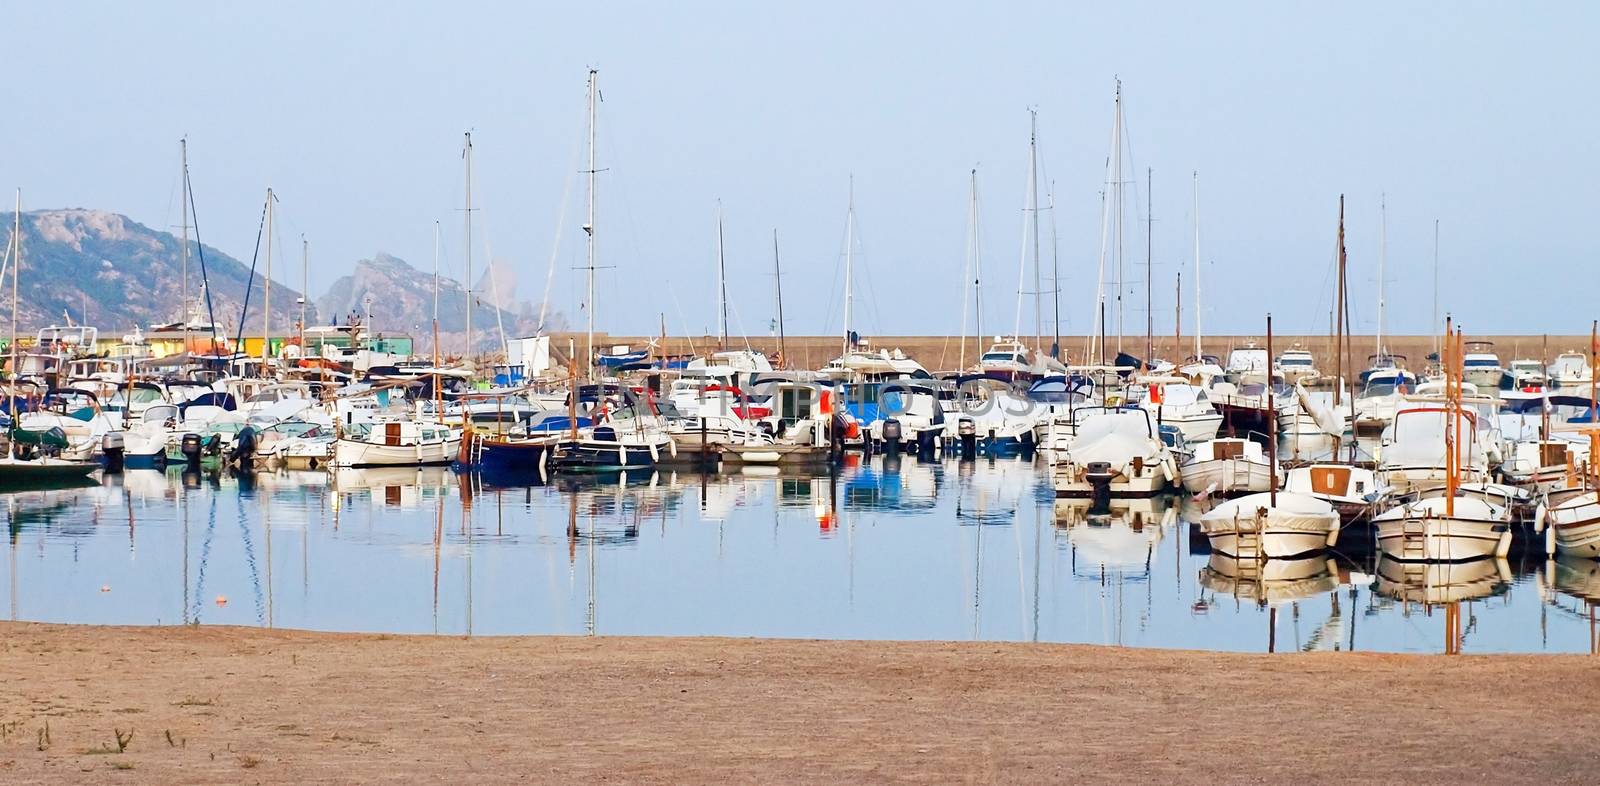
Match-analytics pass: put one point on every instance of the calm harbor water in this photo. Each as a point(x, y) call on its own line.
point(886, 549)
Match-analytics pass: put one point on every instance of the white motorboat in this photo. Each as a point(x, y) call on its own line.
point(1482, 366)
point(1118, 452)
point(1271, 526)
point(1248, 364)
point(1227, 466)
point(1416, 454)
point(1570, 370)
point(1528, 376)
point(1381, 396)
point(1297, 365)
point(1174, 402)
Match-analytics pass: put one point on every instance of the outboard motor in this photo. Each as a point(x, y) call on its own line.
point(244, 448)
point(968, 432)
point(193, 447)
point(1099, 475)
point(115, 449)
point(892, 435)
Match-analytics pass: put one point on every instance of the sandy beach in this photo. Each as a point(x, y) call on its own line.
point(210, 705)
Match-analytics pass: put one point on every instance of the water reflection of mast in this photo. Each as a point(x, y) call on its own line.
point(438, 542)
point(466, 531)
point(267, 525)
point(183, 513)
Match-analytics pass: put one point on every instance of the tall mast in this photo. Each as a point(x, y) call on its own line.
point(266, 290)
point(1118, 206)
point(1055, 271)
point(1199, 331)
point(1436, 282)
point(849, 263)
point(974, 274)
point(183, 275)
point(722, 286)
point(1149, 266)
point(466, 154)
point(594, 79)
point(16, 273)
point(305, 287)
point(1339, 309)
point(1383, 253)
point(777, 286)
point(1033, 220)
point(435, 294)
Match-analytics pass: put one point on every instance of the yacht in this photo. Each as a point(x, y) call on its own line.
point(1482, 365)
point(1297, 365)
point(1248, 363)
point(1570, 370)
point(1528, 376)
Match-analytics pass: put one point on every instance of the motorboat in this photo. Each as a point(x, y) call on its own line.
point(1416, 450)
point(1570, 370)
point(1118, 452)
point(1528, 376)
point(1383, 391)
point(1296, 366)
point(1227, 466)
point(1272, 525)
point(1172, 401)
point(1482, 366)
point(1246, 364)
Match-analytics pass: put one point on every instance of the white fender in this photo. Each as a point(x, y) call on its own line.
point(1549, 541)
point(655, 455)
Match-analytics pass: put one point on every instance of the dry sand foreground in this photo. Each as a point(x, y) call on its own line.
point(214, 705)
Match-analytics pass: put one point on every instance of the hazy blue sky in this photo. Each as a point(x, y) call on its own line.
point(1478, 114)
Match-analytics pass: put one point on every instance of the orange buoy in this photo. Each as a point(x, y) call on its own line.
point(222, 600)
point(105, 587)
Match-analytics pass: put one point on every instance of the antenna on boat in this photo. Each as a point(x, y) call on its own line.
point(777, 285)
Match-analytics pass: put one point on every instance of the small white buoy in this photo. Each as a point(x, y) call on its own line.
point(105, 587)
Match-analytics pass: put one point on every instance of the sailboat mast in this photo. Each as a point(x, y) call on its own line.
point(266, 290)
point(1436, 282)
point(594, 79)
point(1149, 266)
point(975, 275)
point(16, 273)
point(183, 274)
point(722, 286)
point(1339, 310)
point(1383, 253)
point(1033, 219)
point(1199, 331)
point(466, 154)
point(1055, 271)
point(777, 287)
point(305, 287)
point(435, 294)
point(1118, 207)
point(849, 263)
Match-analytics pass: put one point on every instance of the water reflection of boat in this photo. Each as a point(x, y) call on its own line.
point(1272, 581)
point(893, 486)
point(1579, 578)
point(1442, 582)
point(403, 487)
point(1124, 538)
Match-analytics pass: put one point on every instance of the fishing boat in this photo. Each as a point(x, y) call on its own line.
point(396, 443)
point(1227, 466)
point(1351, 490)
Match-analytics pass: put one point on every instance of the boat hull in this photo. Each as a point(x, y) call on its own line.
point(356, 453)
point(1227, 476)
point(1426, 538)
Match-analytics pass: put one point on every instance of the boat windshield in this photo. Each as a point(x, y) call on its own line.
point(1001, 357)
point(1294, 361)
point(1472, 362)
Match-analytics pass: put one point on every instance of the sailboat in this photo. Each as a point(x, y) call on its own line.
point(1273, 525)
point(632, 435)
point(42, 470)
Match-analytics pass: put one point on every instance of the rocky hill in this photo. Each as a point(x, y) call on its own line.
point(401, 299)
point(125, 275)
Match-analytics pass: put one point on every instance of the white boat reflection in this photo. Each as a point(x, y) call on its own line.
point(1123, 538)
point(1442, 582)
point(1270, 582)
point(403, 487)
